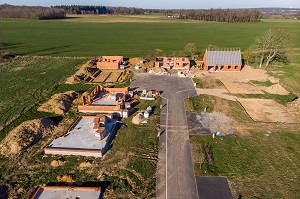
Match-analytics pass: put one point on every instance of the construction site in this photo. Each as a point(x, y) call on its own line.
point(116, 129)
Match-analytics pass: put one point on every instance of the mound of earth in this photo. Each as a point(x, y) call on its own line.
point(139, 118)
point(135, 60)
point(85, 70)
point(67, 178)
point(25, 135)
point(85, 164)
point(56, 163)
point(157, 70)
point(295, 103)
point(59, 103)
point(276, 89)
point(273, 80)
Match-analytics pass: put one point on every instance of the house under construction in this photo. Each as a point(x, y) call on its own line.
point(110, 62)
point(180, 63)
point(87, 136)
point(107, 100)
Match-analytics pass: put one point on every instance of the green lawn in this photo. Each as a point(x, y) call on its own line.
point(64, 38)
point(260, 165)
point(26, 82)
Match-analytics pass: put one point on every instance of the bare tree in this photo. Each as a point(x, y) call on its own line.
point(271, 45)
point(191, 48)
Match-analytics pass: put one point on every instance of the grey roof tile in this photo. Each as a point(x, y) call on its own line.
point(217, 58)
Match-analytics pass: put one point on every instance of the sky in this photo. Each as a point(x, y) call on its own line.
point(164, 4)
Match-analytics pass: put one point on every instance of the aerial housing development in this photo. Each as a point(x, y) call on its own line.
point(124, 102)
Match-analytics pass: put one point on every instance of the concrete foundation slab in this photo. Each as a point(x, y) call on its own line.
point(50, 192)
point(81, 139)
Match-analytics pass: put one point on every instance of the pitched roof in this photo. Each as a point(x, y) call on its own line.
point(217, 58)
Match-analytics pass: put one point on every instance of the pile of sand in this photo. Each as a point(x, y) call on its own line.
point(139, 118)
point(25, 135)
point(66, 178)
point(157, 70)
point(273, 80)
point(57, 163)
point(276, 89)
point(59, 103)
point(295, 103)
point(135, 60)
point(85, 164)
point(82, 73)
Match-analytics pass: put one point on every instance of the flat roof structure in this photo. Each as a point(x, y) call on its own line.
point(60, 192)
point(88, 136)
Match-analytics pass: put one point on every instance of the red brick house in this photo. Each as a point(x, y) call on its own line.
point(110, 62)
point(181, 63)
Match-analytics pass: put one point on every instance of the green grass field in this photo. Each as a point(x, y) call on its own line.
point(26, 82)
point(259, 165)
point(93, 36)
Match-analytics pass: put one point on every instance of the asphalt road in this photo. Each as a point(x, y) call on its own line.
point(212, 187)
point(175, 172)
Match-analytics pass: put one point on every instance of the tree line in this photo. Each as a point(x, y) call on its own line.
point(31, 12)
point(221, 15)
point(81, 9)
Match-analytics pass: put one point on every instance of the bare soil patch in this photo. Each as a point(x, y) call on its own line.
point(295, 104)
point(110, 76)
point(207, 123)
point(276, 89)
point(59, 103)
point(267, 110)
point(86, 71)
point(222, 93)
point(237, 87)
point(25, 135)
point(239, 82)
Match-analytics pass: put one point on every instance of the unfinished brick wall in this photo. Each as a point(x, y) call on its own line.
point(109, 62)
point(173, 62)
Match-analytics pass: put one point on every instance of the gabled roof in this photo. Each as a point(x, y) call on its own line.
point(217, 58)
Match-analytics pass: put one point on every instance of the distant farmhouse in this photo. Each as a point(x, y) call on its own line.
point(107, 100)
point(110, 62)
point(180, 63)
point(222, 60)
point(173, 16)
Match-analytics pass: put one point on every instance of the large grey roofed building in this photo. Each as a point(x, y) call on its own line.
point(222, 60)
point(217, 58)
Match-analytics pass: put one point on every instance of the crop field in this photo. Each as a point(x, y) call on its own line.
point(25, 82)
point(85, 37)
